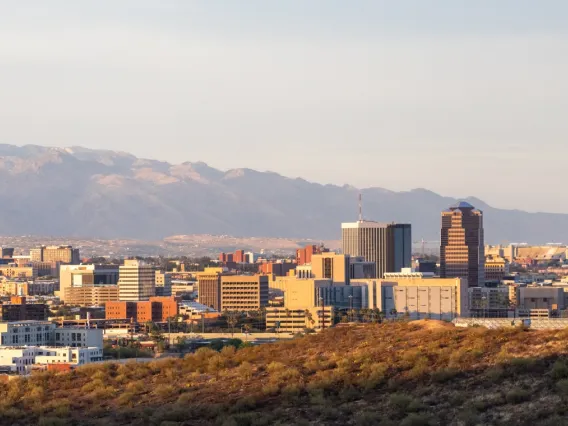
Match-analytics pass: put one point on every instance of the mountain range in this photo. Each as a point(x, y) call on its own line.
point(106, 194)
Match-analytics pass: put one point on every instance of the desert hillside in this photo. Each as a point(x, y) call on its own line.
point(410, 374)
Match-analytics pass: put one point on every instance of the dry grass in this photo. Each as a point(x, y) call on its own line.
point(397, 373)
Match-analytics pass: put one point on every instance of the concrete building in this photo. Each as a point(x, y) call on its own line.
point(243, 293)
point(23, 359)
point(388, 245)
point(19, 310)
point(541, 297)
point(415, 294)
point(333, 266)
point(297, 320)
point(77, 276)
point(42, 333)
point(278, 268)
point(62, 254)
point(184, 288)
point(13, 270)
point(90, 295)
point(209, 290)
point(137, 281)
point(496, 268)
point(462, 251)
point(157, 309)
point(489, 301)
point(6, 253)
point(304, 255)
point(163, 284)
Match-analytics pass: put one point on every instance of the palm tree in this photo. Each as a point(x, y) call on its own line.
point(309, 317)
point(232, 320)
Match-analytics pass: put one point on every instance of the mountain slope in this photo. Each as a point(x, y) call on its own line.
point(82, 192)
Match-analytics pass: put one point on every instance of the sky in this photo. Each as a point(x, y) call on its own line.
point(465, 98)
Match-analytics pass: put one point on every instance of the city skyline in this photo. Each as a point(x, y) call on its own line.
point(404, 83)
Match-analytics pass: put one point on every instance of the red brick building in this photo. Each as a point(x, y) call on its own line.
point(157, 309)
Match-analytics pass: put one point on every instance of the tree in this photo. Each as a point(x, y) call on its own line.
point(309, 317)
point(232, 318)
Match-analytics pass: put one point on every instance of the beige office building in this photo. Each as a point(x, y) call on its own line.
point(91, 295)
point(462, 251)
point(419, 295)
point(163, 284)
point(74, 276)
point(243, 293)
point(331, 266)
point(297, 320)
point(136, 281)
point(496, 268)
point(14, 271)
point(63, 254)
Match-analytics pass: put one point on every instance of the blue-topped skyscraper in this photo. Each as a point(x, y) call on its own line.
point(462, 250)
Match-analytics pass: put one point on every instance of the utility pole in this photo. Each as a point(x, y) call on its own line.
point(322, 304)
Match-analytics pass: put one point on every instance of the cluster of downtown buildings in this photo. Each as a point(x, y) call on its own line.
point(373, 277)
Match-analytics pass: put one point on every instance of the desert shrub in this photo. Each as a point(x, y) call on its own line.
point(516, 396)
point(51, 421)
point(469, 417)
point(495, 374)
point(367, 418)
point(245, 370)
point(400, 402)
point(165, 391)
point(414, 419)
point(136, 386)
point(104, 392)
point(562, 387)
point(373, 375)
point(559, 370)
point(126, 398)
point(228, 351)
point(349, 394)
point(93, 385)
point(444, 375)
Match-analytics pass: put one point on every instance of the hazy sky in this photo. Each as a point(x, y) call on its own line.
point(461, 97)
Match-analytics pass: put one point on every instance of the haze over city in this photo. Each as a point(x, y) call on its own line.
point(462, 98)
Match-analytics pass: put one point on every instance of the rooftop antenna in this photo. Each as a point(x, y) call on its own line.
point(360, 208)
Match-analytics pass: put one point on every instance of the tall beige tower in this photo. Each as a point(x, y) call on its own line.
point(462, 250)
point(136, 281)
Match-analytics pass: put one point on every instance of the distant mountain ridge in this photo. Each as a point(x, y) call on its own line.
point(77, 191)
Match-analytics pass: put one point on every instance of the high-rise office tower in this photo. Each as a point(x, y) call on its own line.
point(462, 252)
point(388, 245)
point(136, 281)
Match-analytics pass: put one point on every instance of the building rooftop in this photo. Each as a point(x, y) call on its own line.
point(462, 205)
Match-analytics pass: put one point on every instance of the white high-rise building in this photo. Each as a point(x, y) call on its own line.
point(136, 281)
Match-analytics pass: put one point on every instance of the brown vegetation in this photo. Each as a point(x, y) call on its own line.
point(380, 374)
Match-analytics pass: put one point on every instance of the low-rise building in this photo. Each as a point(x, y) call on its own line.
point(45, 333)
point(21, 359)
point(298, 320)
point(415, 294)
point(157, 309)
